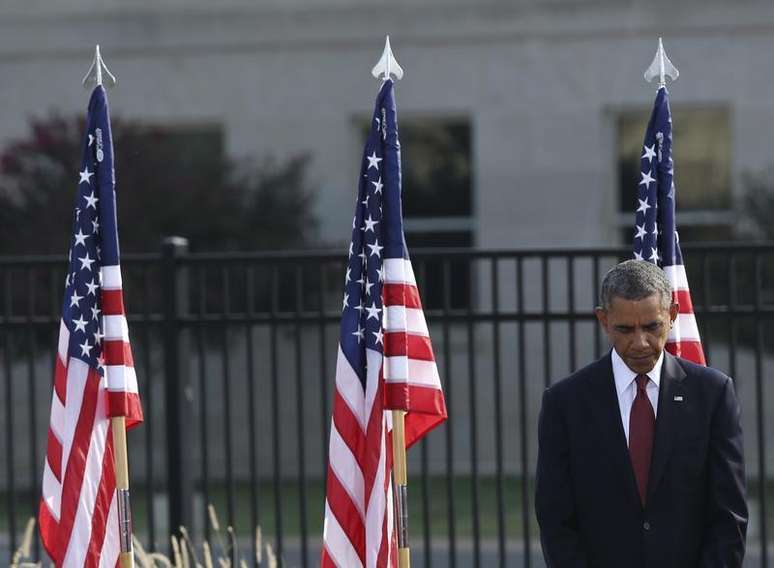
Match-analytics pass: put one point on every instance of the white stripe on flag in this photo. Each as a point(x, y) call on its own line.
point(58, 421)
point(375, 511)
point(121, 378)
point(111, 547)
point(77, 373)
point(115, 327)
point(337, 542)
point(398, 271)
point(412, 371)
point(676, 275)
point(685, 329)
point(111, 277)
point(64, 342)
point(373, 368)
point(400, 318)
point(346, 468)
point(81, 533)
point(52, 492)
point(350, 389)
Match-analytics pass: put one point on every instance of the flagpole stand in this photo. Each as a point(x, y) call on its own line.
point(400, 478)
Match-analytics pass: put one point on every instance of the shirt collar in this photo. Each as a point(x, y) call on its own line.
point(624, 376)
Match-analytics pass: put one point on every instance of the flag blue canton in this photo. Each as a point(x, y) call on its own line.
point(655, 237)
point(377, 233)
point(94, 240)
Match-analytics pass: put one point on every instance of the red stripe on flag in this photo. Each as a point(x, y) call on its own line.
point(54, 455)
point(60, 380)
point(414, 346)
point(348, 427)
point(425, 406)
point(401, 295)
point(76, 464)
point(691, 350)
point(99, 519)
point(683, 298)
point(117, 352)
point(373, 443)
point(346, 513)
point(112, 302)
point(326, 561)
point(48, 529)
point(122, 403)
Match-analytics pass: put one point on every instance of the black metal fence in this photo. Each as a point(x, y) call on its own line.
point(235, 355)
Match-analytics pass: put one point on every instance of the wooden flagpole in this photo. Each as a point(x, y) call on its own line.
point(97, 74)
point(118, 425)
point(400, 478)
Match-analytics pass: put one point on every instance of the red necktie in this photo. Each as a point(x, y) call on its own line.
point(642, 425)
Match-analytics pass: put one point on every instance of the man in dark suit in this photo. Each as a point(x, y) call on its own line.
point(640, 460)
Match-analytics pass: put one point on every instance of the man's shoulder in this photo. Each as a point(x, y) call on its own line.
point(704, 377)
point(582, 378)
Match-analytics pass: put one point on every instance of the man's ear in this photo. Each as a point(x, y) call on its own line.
point(601, 314)
point(674, 309)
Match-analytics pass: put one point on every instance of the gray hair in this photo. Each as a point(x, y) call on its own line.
point(635, 280)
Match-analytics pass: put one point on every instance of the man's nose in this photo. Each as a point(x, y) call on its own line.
point(640, 339)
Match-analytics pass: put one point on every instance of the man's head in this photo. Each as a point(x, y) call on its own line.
point(637, 312)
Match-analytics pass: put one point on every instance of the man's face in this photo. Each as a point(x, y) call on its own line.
point(638, 329)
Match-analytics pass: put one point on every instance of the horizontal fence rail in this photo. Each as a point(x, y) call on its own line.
point(235, 355)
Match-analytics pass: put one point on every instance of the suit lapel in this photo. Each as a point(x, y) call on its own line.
point(672, 375)
point(606, 399)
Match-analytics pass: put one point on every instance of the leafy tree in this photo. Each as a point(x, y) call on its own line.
point(167, 182)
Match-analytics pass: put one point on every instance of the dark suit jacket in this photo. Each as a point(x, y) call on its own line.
point(586, 498)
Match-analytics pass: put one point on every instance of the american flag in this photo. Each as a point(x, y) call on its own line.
point(655, 238)
point(385, 361)
point(94, 378)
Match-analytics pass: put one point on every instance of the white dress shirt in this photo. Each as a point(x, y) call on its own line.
point(626, 387)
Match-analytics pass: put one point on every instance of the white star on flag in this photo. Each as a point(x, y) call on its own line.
point(373, 161)
point(85, 175)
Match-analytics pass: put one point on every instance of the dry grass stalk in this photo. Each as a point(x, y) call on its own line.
point(258, 546)
point(189, 545)
point(24, 548)
point(176, 552)
point(271, 559)
point(207, 555)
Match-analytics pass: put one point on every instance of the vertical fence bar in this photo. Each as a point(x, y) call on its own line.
point(226, 378)
point(148, 403)
point(276, 446)
point(447, 369)
point(760, 410)
point(178, 415)
point(201, 347)
point(546, 286)
point(11, 495)
point(300, 413)
point(421, 280)
point(595, 302)
point(707, 279)
point(571, 312)
point(250, 313)
point(326, 413)
point(525, 492)
point(426, 537)
point(32, 378)
point(732, 304)
point(472, 399)
point(498, 413)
